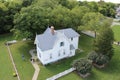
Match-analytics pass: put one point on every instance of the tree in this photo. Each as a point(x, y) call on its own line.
point(83, 66)
point(103, 42)
point(7, 11)
point(77, 14)
point(60, 17)
point(93, 6)
point(41, 14)
point(107, 9)
point(94, 22)
point(30, 20)
point(26, 3)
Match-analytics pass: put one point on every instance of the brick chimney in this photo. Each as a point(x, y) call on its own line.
point(52, 30)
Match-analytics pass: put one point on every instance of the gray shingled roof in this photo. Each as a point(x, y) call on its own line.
point(69, 33)
point(47, 40)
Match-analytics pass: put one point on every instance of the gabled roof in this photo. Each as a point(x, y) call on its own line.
point(69, 33)
point(47, 39)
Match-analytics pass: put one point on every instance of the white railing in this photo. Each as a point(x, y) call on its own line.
point(61, 74)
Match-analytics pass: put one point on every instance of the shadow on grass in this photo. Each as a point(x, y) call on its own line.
point(23, 48)
point(92, 76)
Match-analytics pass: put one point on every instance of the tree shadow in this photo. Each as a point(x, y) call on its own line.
point(23, 48)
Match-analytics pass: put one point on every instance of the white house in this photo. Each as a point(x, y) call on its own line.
point(54, 45)
point(118, 13)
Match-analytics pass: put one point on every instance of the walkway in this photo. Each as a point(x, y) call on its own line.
point(61, 74)
point(13, 62)
point(115, 22)
point(89, 33)
point(35, 65)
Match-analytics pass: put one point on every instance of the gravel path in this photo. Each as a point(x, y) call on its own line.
point(13, 62)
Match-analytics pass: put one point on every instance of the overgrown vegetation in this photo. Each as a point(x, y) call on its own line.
point(29, 17)
point(83, 66)
point(8, 8)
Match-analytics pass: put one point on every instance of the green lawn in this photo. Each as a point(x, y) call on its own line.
point(26, 70)
point(6, 67)
point(116, 30)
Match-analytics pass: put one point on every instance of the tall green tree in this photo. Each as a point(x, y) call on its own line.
point(77, 14)
point(60, 17)
point(94, 21)
point(30, 20)
point(7, 11)
point(107, 9)
point(103, 42)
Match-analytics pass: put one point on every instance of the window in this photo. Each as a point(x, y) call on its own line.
point(64, 52)
point(62, 44)
point(71, 39)
point(50, 56)
point(70, 52)
point(39, 55)
point(58, 53)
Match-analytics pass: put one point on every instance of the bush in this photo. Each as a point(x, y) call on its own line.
point(92, 56)
point(98, 59)
point(83, 66)
point(102, 59)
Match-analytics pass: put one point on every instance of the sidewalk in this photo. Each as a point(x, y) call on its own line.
point(35, 65)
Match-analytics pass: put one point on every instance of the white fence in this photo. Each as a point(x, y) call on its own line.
point(61, 74)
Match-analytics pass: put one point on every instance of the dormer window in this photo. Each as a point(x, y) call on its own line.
point(61, 44)
point(71, 39)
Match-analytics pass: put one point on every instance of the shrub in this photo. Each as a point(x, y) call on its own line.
point(92, 56)
point(83, 66)
point(102, 59)
point(98, 59)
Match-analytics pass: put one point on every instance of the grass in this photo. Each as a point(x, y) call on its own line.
point(6, 67)
point(116, 30)
point(25, 68)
